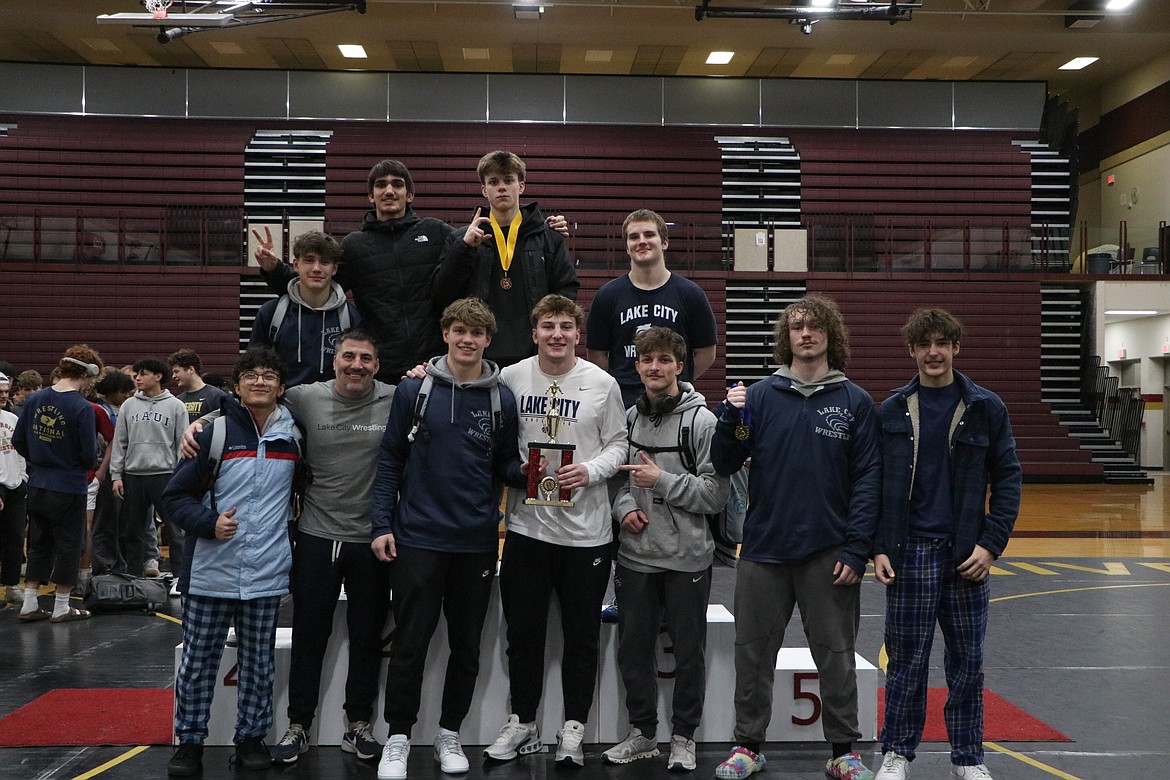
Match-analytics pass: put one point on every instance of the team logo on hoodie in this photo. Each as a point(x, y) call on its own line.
point(835, 423)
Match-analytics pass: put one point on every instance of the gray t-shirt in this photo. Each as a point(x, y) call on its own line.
point(342, 438)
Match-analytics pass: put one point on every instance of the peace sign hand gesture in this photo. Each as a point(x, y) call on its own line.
point(264, 255)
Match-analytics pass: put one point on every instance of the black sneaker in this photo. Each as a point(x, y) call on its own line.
point(253, 754)
point(187, 760)
point(360, 741)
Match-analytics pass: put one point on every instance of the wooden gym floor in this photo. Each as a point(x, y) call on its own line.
point(1080, 627)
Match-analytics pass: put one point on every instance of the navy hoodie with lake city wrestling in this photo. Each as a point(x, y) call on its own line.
point(441, 492)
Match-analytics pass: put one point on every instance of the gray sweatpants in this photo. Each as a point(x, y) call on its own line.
point(765, 595)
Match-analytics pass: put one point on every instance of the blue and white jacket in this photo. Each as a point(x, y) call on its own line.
point(255, 477)
point(815, 477)
point(983, 455)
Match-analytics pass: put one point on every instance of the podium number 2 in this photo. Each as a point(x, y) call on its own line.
point(231, 677)
point(798, 693)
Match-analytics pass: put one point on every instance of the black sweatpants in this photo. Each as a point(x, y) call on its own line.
point(142, 492)
point(56, 536)
point(319, 567)
point(678, 599)
point(530, 572)
point(426, 584)
point(12, 525)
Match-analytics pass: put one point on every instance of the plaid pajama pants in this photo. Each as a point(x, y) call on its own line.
point(205, 626)
point(928, 591)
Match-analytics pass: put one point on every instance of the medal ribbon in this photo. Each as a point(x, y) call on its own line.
point(506, 247)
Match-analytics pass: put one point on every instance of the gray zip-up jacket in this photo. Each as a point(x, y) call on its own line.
point(677, 537)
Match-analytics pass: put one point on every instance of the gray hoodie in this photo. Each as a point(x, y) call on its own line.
point(676, 538)
point(147, 435)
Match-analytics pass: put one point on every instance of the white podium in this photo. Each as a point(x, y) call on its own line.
point(796, 702)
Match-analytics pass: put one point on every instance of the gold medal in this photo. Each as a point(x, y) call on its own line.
point(742, 432)
point(506, 246)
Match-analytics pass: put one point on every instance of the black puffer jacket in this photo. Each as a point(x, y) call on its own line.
point(389, 267)
point(540, 266)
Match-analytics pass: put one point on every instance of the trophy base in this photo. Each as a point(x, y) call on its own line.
point(542, 502)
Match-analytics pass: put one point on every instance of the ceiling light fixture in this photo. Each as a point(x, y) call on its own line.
point(720, 57)
point(1131, 312)
point(1078, 63)
point(353, 51)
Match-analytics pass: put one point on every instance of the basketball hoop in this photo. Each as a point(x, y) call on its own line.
point(157, 7)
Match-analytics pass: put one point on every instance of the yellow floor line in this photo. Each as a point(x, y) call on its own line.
point(129, 754)
point(1031, 761)
point(1081, 590)
point(171, 618)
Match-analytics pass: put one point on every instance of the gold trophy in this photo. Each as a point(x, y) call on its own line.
point(545, 489)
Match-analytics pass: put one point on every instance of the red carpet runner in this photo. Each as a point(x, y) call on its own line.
point(1002, 720)
point(92, 716)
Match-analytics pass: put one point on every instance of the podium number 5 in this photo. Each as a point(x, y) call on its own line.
point(798, 694)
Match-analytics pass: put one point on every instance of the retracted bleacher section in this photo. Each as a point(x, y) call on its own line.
point(1001, 352)
point(912, 200)
point(593, 175)
point(129, 233)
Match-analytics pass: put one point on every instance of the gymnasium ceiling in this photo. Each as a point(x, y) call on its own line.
point(946, 40)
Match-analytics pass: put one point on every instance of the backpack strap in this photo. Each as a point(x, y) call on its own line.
point(278, 318)
point(215, 455)
point(685, 446)
point(424, 397)
point(686, 443)
point(420, 406)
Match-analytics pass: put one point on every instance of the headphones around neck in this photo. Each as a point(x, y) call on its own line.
point(90, 368)
point(663, 404)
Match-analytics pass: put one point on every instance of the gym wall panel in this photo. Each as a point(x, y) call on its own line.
point(808, 103)
point(438, 97)
point(336, 95)
point(525, 98)
point(136, 91)
point(629, 100)
point(258, 94)
point(689, 101)
point(47, 89)
point(1017, 105)
point(904, 104)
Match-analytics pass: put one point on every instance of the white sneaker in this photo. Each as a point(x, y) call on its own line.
point(894, 767)
point(392, 765)
point(449, 753)
point(515, 739)
point(569, 740)
point(633, 747)
point(682, 754)
point(977, 772)
point(151, 569)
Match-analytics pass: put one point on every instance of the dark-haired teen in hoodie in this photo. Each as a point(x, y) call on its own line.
point(315, 312)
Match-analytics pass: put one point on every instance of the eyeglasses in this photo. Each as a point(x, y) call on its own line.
point(263, 376)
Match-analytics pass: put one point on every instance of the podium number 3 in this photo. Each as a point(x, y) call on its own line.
point(798, 693)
